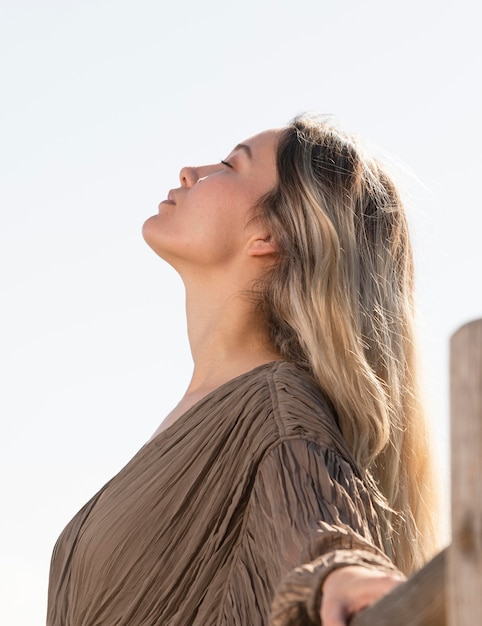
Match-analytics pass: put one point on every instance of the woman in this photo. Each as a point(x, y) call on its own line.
point(292, 479)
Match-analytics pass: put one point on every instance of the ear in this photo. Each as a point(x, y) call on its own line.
point(262, 246)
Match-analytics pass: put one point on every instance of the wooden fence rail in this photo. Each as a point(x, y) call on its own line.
point(420, 601)
point(448, 591)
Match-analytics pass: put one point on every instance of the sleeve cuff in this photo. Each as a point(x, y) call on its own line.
point(298, 599)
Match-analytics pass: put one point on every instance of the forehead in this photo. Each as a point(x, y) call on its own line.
point(260, 161)
point(263, 142)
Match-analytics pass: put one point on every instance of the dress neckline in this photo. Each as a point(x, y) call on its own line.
point(209, 397)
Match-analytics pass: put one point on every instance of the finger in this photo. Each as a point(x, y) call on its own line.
point(332, 614)
point(377, 589)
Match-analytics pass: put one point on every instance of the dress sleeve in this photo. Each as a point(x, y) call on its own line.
point(309, 514)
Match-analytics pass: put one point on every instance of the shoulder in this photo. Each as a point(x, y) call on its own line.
point(301, 409)
point(274, 403)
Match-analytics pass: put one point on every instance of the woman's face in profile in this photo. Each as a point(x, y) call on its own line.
point(205, 220)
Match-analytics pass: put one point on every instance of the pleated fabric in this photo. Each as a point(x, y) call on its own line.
point(252, 490)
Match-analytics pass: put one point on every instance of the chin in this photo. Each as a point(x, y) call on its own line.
point(150, 233)
point(151, 229)
point(154, 238)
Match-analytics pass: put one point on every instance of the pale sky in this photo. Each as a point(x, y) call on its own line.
point(102, 102)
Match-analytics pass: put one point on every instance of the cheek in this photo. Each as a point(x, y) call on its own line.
point(222, 195)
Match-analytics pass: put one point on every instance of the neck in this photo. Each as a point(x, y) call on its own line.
point(226, 335)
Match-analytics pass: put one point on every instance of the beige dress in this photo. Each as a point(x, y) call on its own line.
point(250, 497)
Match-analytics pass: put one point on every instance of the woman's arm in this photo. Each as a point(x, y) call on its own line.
point(310, 517)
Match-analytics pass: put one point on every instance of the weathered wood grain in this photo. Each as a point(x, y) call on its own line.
point(465, 554)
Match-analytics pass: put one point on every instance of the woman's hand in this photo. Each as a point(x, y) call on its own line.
point(350, 589)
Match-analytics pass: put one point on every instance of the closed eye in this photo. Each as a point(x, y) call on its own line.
point(227, 164)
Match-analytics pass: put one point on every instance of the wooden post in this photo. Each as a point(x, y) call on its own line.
point(464, 572)
point(448, 590)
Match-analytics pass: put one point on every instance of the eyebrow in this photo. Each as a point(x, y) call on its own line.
point(245, 147)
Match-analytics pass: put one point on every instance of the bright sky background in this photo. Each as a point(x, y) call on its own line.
point(101, 104)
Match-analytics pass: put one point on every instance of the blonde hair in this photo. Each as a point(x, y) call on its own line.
point(339, 301)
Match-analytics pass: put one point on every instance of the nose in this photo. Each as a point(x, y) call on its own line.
point(188, 176)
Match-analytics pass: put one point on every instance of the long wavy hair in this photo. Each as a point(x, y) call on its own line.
point(339, 301)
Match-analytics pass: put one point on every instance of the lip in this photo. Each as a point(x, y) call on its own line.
point(170, 198)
